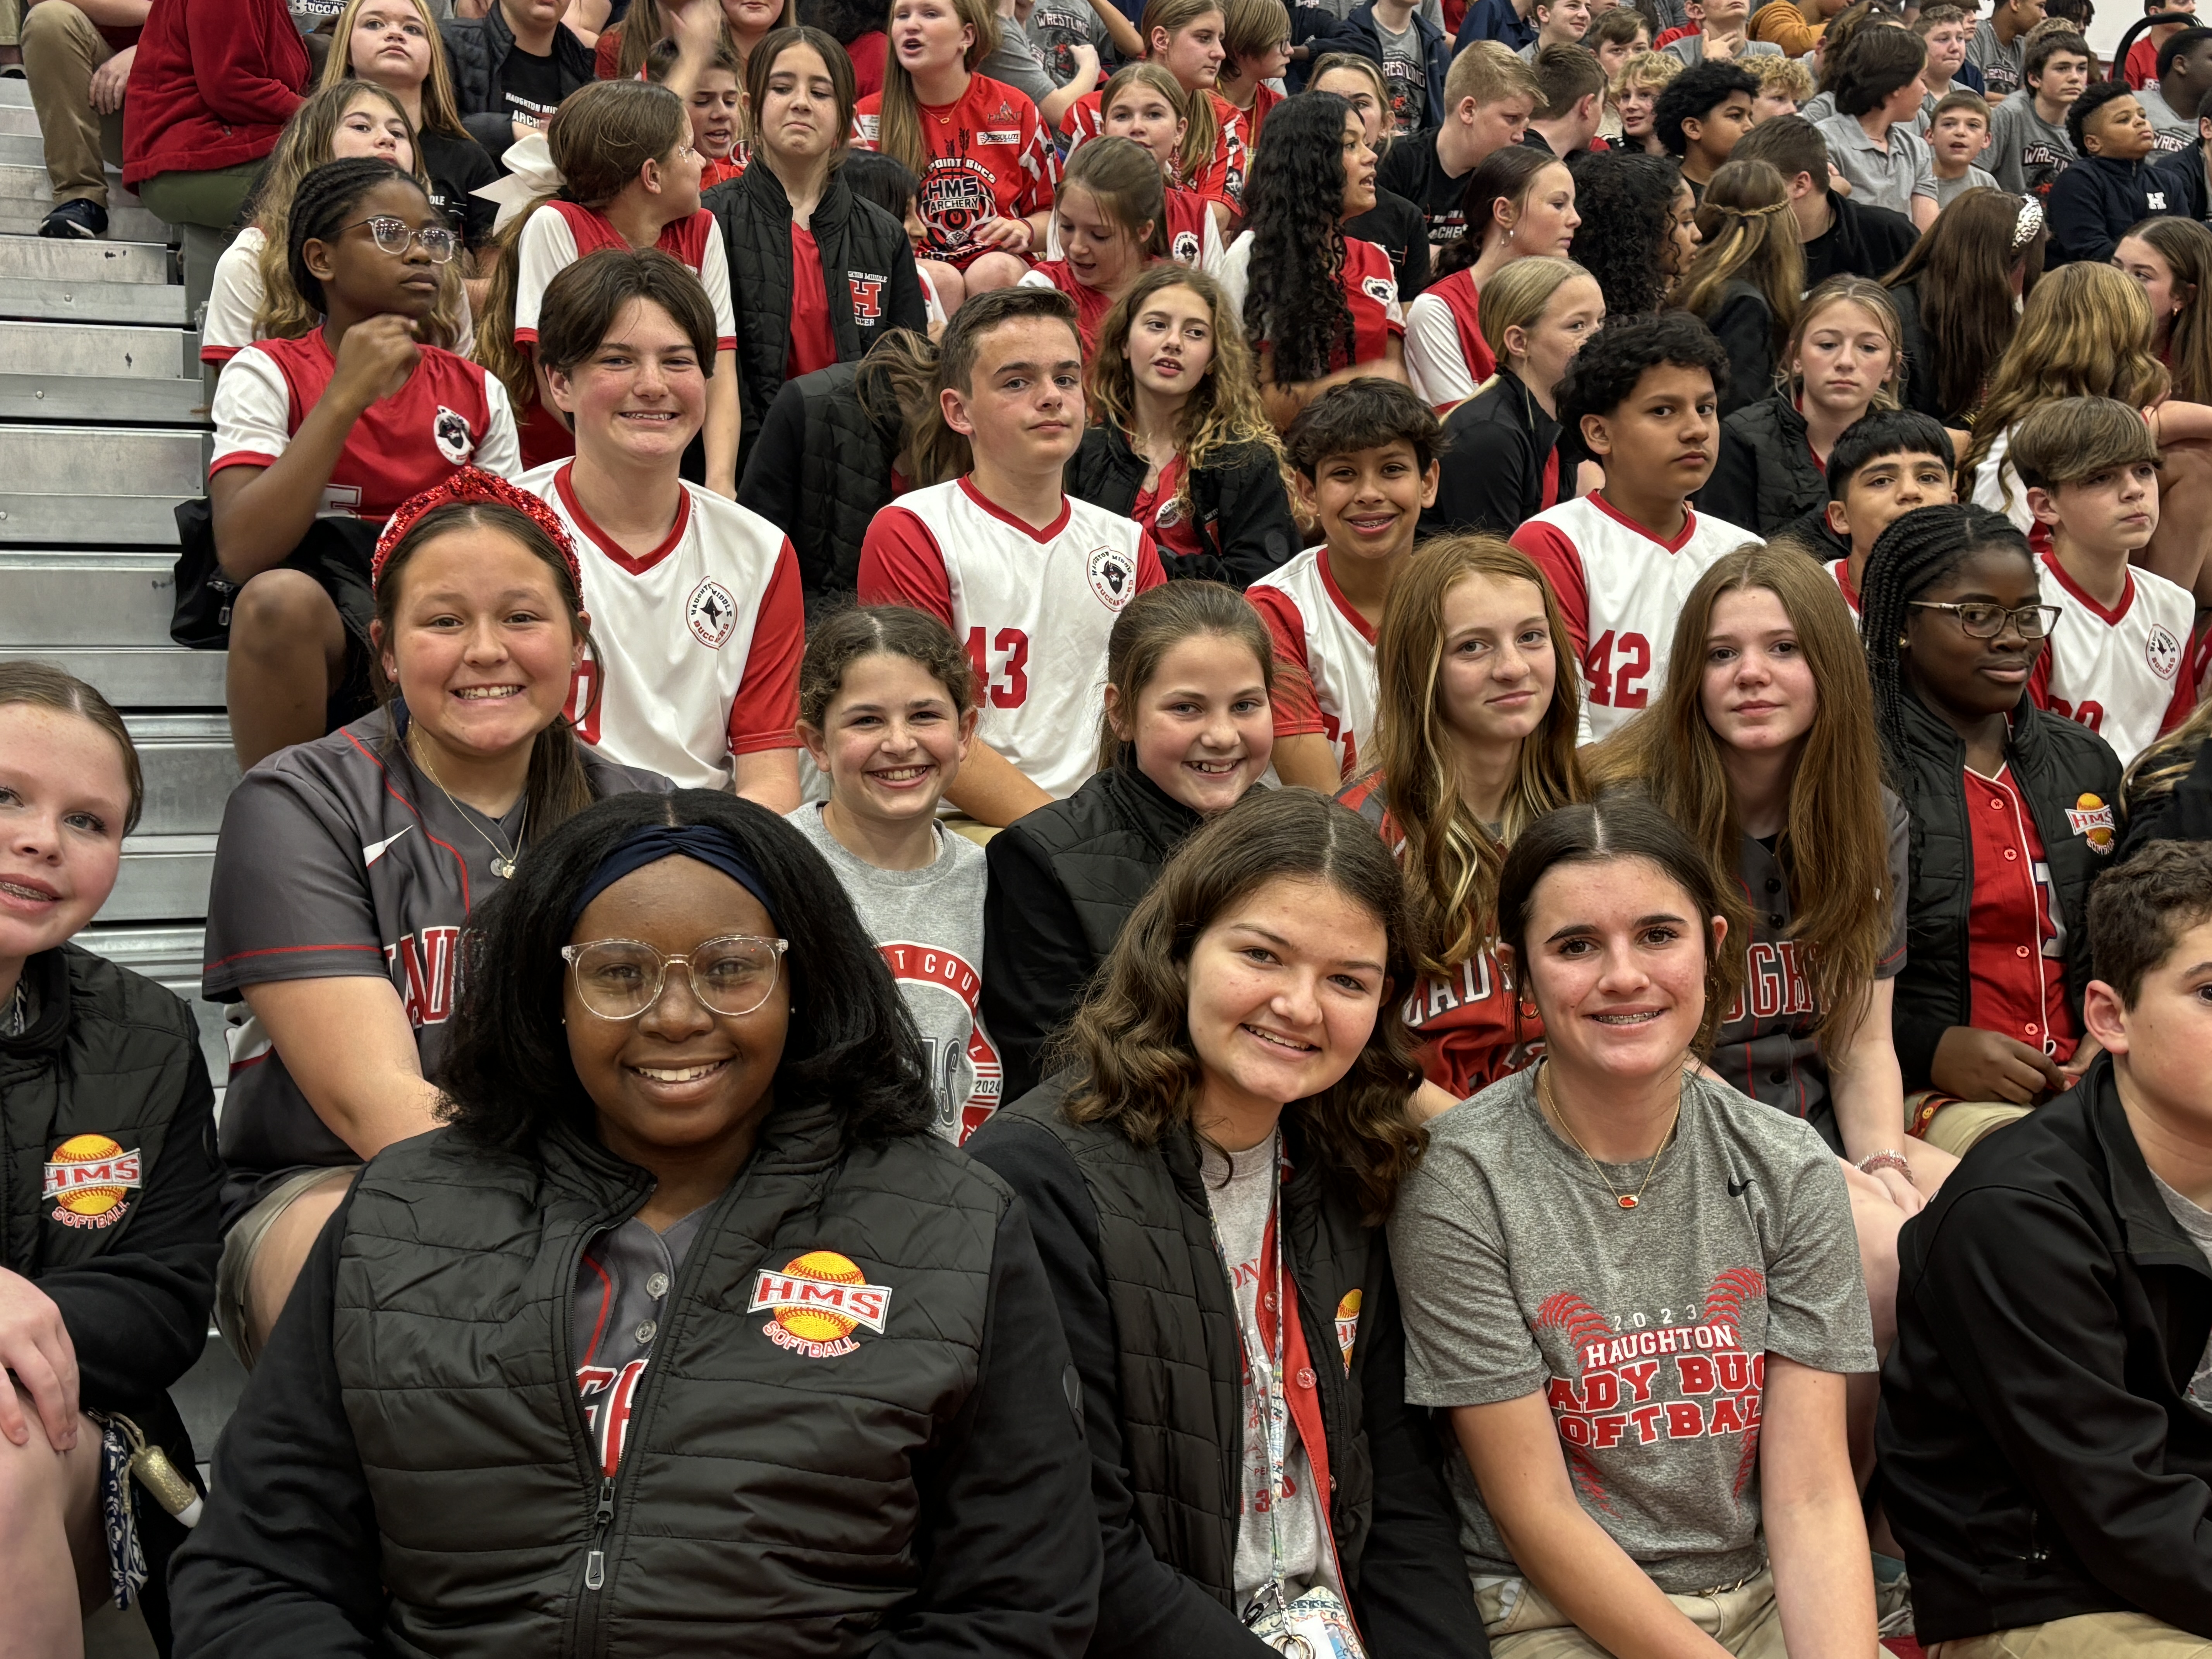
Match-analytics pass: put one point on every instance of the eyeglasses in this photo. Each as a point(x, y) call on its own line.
point(393, 236)
point(1986, 621)
point(621, 978)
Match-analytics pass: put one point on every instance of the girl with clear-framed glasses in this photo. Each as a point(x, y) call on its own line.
point(2014, 814)
point(345, 423)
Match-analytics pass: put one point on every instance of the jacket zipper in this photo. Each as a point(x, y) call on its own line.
point(572, 1410)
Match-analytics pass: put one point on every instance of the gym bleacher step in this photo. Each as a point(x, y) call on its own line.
point(27, 196)
point(107, 486)
point(50, 259)
point(71, 372)
point(170, 956)
point(189, 768)
point(163, 879)
point(158, 305)
point(104, 617)
point(19, 120)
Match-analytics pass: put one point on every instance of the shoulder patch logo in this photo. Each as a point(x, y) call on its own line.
point(2162, 651)
point(1186, 247)
point(1347, 1326)
point(456, 443)
point(818, 1301)
point(1380, 290)
point(867, 295)
point(90, 1179)
point(1113, 576)
point(711, 611)
point(2090, 818)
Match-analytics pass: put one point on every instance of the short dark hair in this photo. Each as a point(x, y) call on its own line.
point(2083, 110)
point(1605, 373)
point(1876, 63)
point(1565, 74)
point(964, 334)
point(1789, 144)
point(1619, 26)
point(1880, 432)
point(582, 302)
point(2066, 439)
point(2041, 50)
point(2138, 911)
point(1620, 825)
point(883, 179)
point(2187, 40)
point(1694, 95)
point(851, 1044)
point(1365, 413)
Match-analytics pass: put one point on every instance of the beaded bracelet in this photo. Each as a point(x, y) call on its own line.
point(1886, 1159)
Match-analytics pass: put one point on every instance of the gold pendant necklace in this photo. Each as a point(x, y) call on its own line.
point(1546, 1097)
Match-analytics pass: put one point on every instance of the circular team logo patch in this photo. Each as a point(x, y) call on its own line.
point(90, 1178)
point(1186, 247)
point(456, 443)
point(2162, 651)
point(1380, 289)
point(711, 613)
point(1113, 576)
point(818, 1301)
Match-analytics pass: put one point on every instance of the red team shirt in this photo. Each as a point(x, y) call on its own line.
point(1034, 607)
point(1370, 294)
point(1091, 304)
point(2015, 945)
point(2121, 673)
point(1465, 1021)
point(1170, 520)
point(1324, 657)
point(990, 158)
point(449, 415)
point(1224, 178)
point(813, 340)
point(1444, 347)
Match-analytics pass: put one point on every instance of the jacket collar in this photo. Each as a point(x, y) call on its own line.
point(801, 1139)
point(47, 974)
point(1516, 394)
point(829, 213)
point(2151, 1233)
point(1164, 819)
point(2023, 740)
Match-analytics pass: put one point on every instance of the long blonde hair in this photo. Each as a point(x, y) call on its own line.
point(1749, 234)
point(1869, 296)
point(1203, 137)
point(1451, 861)
point(1834, 848)
point(305, 145)
point(898, 124)
point(2154, 773)
point(440, 112)
point(1222, 411)
point(1145, 73)
point(2085, 332)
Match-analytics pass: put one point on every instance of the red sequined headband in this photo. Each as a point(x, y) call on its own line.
point(472, 484)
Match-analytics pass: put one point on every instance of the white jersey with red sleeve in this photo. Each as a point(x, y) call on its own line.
point(696, 644)
point(1324, 657)
point(1371, 294)
point(2121, 673)
point(1621, 589)
point(561, 233)
point(1034, 606)
point(449, 414)
point(989, 158)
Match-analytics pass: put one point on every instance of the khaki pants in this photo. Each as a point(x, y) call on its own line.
point(2091, 1636)
point(61, 49)
point(1962, 1124)
point(1521, 1625)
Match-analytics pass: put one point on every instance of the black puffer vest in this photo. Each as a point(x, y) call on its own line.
point(1239, 509)
point(761, 1486)
point(2070, 777)
point(1772, 479)
point(867, 267)
point(1175, 1320)
point(1106, 843)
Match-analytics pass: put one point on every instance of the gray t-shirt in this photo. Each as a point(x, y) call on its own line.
point(1880, 177)
point(1406, 68)
point(2171, 129)
point(2027, 152)
point(2196, 1222)
point(1647, 1329)
point(1240, 1189)
point(1948, 190)
point(1691, 49)
point(928, 924)
point(1999, 63)
point(1057, 27)
point(622, 1284)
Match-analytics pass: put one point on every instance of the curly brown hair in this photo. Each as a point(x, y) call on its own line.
point(1130, 1043)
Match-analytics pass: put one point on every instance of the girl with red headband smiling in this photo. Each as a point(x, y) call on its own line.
point(346, 866)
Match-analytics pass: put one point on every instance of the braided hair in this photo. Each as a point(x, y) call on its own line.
point(325, 205)
point(1294, 208)
point(1915, 553)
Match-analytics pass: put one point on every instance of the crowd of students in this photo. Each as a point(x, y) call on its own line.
point(1432, 779)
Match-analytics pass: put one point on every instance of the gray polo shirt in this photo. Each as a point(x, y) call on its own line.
point(1948, 190)
point(1880, 177)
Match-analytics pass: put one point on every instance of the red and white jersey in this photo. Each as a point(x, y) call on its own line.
point(1370, 294)
point(1034, 607)
point(1091, 304)
point(450, 414)
point(561, 233)
point(695, 644)
point(1324, 657)
point(1841, 570)
point(2121, 673)
point(1222, 181)
point(1445, 352)
point(1621, 588)
point(1193, 236)
point(989, 158)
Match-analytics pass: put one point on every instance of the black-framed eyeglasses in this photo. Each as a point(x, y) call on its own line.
point(394, 235)
point(1984, 620)
point(621, 978)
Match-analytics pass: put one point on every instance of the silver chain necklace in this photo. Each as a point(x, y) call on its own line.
point(503, 861)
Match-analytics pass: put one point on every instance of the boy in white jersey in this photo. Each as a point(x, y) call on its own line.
point(1030, 578)
point(697, 621)
point(1887, 463)
point(1646, 395)
point(2117, 659)
point(1364, 456)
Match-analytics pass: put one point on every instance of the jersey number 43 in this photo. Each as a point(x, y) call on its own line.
point(1002, 666)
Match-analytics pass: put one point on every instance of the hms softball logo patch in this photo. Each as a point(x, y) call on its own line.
point(90, 1179)
point(818, 1301)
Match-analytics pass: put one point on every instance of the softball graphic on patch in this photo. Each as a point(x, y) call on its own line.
point(818, 1301)
point(90, 1179)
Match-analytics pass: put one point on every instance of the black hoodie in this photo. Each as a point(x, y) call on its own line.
point(2096, 200)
